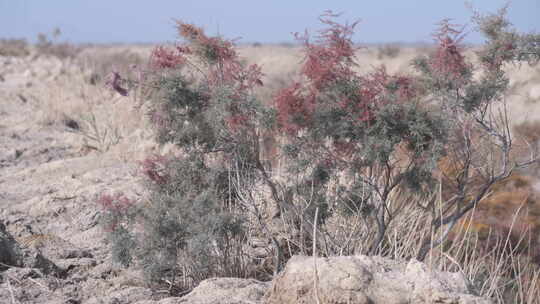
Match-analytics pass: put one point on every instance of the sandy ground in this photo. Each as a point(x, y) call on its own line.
point(50, 179)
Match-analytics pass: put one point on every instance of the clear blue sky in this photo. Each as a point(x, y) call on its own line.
point(104, 21)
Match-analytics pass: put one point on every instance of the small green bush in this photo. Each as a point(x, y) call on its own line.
point(191, 229)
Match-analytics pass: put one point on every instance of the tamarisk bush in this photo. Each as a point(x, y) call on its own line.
point(365, 138)
point(189, 229)
point(357, 147)
point(480, 145)
point(361, 136)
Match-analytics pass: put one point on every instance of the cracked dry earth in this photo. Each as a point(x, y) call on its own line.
point(48, 188)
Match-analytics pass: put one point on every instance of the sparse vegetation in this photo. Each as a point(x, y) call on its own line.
point(14, 48)
point(52, 47)
point(388, 51)
point(99, 137)
point(99, 63)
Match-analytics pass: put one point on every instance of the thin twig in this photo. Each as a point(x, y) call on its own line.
point(13, 301)
point(9, 266)
point(316, 274)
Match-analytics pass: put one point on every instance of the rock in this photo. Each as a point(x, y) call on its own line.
point(55, 247)
point(18, 153)
point(81, 264)
point(21, 274)
point(24, 285)
point(534, 93)
point(124, 296)
point(18, 224)
point(373, 280)
point(71, 123)
point(224, 291)
point(34, 259)
point(10, 252)
point(102, 270)
point(13, 254)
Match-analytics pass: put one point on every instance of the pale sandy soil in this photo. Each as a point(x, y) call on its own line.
point(50, 178)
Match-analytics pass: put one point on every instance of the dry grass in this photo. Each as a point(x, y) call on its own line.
point(14, 48)
point(63, 96)
point(499, 264)
point(528, 130)
point(388, 51)
point(100, 61)
point(494, 262)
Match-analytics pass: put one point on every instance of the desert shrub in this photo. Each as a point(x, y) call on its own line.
point(196, 230)
point(52, 47)
point(203, 102)
point(116, 219)
point(476, 110)
point(355, 141)
point(14, 48)
point(359, 149)
point(388, 51)
point(346, 134)
point(183, 234)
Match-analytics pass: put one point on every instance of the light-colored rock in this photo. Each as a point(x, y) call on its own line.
point(368, 280)
point(224, 291)
point(123, 296)
point(220, 291)
point(534, 92)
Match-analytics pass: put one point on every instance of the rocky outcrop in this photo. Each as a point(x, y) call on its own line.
point(12, 254)
point(367, 280)
point(346, 279)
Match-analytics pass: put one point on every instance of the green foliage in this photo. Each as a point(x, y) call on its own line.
point(179, 116)
point(187, 229)
point(187, 218)
point(122, 245)
point(188, 226)
point(505, 44)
